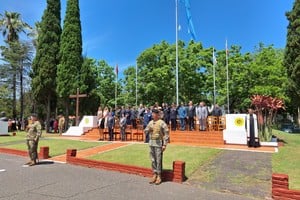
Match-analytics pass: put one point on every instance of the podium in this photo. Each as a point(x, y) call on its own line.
point(87, 123)
point(235, 132)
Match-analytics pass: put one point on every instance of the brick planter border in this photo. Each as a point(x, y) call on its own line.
point(43, 154)
point(175, 175)
point(280, 188)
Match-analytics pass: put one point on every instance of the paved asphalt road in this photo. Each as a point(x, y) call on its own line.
point(56, 181)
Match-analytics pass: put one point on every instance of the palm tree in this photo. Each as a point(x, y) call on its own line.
point(11, 26)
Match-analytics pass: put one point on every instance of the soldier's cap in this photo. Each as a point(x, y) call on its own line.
point(33, 115)
point(155, 111)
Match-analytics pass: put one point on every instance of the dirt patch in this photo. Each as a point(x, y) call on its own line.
point(238, 172)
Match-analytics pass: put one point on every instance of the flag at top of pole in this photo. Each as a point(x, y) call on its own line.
point(117, 69)
point(191, 29)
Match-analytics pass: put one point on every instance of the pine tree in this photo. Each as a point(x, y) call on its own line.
point(292, 52)
point(11, 25)
point(68, 71)
point(47, 56)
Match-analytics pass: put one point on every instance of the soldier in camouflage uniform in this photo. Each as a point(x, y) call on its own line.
point(159, 135)
point(33, 135)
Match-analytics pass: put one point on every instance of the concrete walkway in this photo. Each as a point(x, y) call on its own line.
point(55, 181)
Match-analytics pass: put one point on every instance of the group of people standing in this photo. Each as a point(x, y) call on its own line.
point(185, 114)
point(190, 113)
point(57, 125)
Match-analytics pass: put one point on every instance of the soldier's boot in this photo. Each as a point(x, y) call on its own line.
point(158, 180)
point(153, 179)
point(33, 162)
point(28, 163)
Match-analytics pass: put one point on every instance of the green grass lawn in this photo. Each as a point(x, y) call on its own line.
point(57, 146)
point(9, 138)
point(287, 160)
point(138, 155)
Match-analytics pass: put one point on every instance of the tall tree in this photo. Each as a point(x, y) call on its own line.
point(11, 26)
point(292, 54)
point(47, 57)
point(105, 83)
point(89, 77)
point(19, 55)
point(156, 73)
point(68, 71)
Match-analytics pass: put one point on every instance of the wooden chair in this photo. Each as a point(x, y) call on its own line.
point(117, 133)
point(138, 133)
point(105, 134)
point(128, 132)
point(212, 122)
point(222, 123)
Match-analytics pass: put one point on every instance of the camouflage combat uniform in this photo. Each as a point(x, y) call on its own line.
point(159, 136)
point(33, 134)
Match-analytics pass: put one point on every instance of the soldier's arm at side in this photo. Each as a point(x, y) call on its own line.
point(165, 135)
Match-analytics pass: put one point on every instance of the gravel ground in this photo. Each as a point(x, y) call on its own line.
point(238, 172)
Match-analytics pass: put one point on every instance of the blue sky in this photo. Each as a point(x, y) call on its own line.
point(118, 31)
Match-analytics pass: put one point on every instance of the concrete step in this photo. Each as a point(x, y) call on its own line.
point(192, 137)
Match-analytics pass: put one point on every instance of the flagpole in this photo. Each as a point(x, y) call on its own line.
point(136, 82)
point(227, 78)
point(116, 86)
point(214, 75)
point(176, 11)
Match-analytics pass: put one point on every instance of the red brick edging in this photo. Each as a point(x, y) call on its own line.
point(280, 188)
point(43, 154)
point(175, 175)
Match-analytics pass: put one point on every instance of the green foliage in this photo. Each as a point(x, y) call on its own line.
point(156, 73)
point(292, 54)
point(47, 57)
point(5, 100)
point(287, 160)
point(47, 54)
point(249, 74)
point(270, 75)
point(11, 26)
point(106, 82)
point(17, 57)
point(89, 77)
point(68, 71)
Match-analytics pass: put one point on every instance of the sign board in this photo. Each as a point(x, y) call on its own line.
point(235, 132)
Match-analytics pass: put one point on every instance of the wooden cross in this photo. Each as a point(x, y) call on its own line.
point(77, 96)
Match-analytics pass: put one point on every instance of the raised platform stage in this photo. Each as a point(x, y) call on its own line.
point(183, 137)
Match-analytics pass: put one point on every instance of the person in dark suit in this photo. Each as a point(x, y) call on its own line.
point(110, 126)
point(251, 129)
point(191, 113)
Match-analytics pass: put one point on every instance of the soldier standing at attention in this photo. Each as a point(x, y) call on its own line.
point(159, 136)
point(33, 135)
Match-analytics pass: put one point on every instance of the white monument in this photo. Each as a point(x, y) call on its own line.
point(235, 132)
point(87, 123)
point(3, 128)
